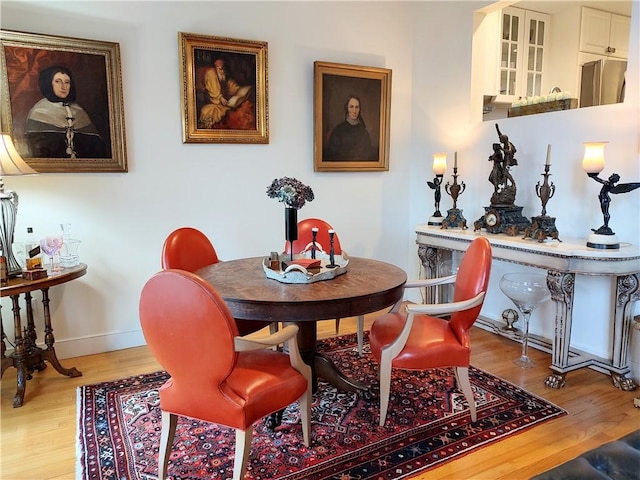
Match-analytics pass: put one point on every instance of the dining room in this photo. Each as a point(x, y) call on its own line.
point(165, 177)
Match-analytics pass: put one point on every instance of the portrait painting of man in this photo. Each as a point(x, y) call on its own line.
point(224, 89)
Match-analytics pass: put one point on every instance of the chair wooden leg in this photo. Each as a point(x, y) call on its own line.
point(243, 447)
point(305, 412)
point(360, 333)
point(273, 328)
point(462, 376)
point(385, 386)
point(169, 424)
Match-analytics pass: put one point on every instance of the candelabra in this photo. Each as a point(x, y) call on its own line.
point(455, 219)
point(544, 226)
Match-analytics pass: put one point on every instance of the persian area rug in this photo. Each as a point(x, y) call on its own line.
point(428, 424)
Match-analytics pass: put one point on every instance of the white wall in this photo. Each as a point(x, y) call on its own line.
point(122, 219)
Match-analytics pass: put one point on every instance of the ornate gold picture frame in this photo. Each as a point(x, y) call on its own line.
point(352, 110)
point(224, 90)
point(62, 102)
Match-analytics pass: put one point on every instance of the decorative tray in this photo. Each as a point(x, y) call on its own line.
point(294, 273)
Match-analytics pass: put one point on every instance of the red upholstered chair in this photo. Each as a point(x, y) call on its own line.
point(305, 237)
point(189, 249)
point(216, 375)
point(414, 338)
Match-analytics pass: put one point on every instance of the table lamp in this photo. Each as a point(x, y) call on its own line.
point(11, 163)
point(439, 167)
point(593, 164)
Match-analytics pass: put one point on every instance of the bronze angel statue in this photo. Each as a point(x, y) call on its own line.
point(609, 186)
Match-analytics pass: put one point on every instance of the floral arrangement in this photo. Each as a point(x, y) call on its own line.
point(290, 191)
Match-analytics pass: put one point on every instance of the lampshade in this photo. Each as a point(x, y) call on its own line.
point(593, 161)
point(11, 163)
point(439, 163)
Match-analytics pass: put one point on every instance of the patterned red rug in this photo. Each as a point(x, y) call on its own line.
point(428, 425)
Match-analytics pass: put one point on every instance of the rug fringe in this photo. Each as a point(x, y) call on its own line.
point(79, 421)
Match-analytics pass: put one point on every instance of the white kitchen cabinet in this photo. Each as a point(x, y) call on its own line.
point(522, 57)
point(604, 33)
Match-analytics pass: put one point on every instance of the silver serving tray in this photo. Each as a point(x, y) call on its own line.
point(299, 274)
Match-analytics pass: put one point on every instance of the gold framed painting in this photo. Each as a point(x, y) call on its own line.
point(352, 108)
point(62, 102)
point(224, 89)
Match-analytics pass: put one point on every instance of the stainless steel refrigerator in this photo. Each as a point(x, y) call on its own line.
point(602, 82)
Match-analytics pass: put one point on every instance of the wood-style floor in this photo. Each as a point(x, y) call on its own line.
point(38, 439)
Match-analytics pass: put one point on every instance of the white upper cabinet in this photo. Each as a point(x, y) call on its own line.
point(522, 56)
point(604, 33)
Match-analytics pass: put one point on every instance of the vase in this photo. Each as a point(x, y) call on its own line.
point(291, 226)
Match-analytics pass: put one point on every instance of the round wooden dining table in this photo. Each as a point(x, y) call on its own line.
point(367, 286)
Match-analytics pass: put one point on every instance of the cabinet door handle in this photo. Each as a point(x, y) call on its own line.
point(611, 50)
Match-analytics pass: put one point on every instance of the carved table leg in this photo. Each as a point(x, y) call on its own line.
point(322, 366)
point(431, 258)
point(326, 369)
point(19, 354)
point(561, 286)
point(556, 380)
point(34, 359)
point(6, 362)
point(627, 293)
point(50, 353)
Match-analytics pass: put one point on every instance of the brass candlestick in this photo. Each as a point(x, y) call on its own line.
point(546, 190)
point(543, 226)
point(454, 219)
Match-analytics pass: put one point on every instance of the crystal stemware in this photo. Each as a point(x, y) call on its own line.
point(51, 245)
point(527, 291)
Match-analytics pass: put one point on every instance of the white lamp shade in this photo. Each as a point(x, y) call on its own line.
point(593, 161)
point(11, 163)
point(439, 163)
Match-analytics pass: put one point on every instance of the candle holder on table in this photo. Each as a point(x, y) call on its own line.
point(544, 226)
point(332, 259)
point(314, 232)
point(454, 218)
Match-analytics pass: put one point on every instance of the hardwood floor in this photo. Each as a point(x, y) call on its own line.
point(38, 439)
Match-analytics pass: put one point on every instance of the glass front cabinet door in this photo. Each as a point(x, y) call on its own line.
point(523, 38)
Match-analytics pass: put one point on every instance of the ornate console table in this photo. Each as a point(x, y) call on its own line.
point(563, 261)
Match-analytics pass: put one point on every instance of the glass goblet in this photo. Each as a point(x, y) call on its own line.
point(526, 291)
point(51, 245)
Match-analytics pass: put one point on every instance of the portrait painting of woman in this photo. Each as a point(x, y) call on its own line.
point(64, 109)
point(350, 140)
point(352, 111)
point(57, 126)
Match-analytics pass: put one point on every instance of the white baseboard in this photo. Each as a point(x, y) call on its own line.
point(78, 347)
